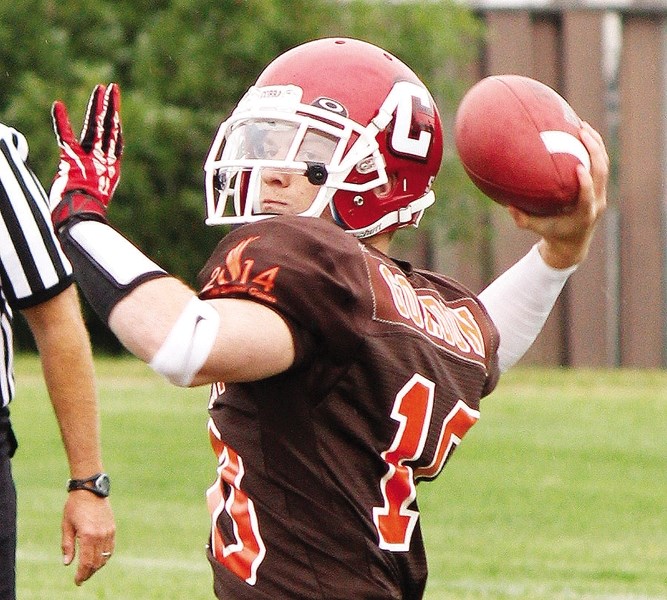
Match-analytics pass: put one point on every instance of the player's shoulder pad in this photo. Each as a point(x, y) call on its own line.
point(297, 249)
point(308, 270)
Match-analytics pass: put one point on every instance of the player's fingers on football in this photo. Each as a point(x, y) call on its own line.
point(595, 145)
point(587, 191)
point(590, 207)
point(597, 136)
point(586, 126)
point(599, 167)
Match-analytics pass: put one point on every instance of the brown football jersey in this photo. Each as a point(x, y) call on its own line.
point(318, 466)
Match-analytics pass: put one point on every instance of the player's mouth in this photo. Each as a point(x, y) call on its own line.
point(276, 207)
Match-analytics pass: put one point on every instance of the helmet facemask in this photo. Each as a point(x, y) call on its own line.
point(272, 129)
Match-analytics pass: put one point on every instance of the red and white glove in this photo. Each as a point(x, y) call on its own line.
point(89, 169)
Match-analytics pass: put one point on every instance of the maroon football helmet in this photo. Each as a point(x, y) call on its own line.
point(352, 118)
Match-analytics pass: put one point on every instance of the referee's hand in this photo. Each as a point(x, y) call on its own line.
point(87, 521)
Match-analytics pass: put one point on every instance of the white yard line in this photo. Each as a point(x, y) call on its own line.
point(126, 560)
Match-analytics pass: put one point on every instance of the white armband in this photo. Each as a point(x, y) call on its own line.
point(188, 344)
point(520, 301)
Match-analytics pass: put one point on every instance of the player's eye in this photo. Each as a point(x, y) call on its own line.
point(308, 156)
point(266, 151)
point(316, 147)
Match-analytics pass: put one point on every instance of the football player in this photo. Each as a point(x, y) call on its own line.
point(340, 377)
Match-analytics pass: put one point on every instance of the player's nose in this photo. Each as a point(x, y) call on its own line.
point(276, 177)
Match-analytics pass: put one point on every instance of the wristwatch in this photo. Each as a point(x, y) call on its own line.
point(99, 484)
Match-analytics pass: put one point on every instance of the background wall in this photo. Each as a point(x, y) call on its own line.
point(608, 60)
point(183, 65)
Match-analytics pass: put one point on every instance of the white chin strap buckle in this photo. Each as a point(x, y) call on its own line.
point(404, 215)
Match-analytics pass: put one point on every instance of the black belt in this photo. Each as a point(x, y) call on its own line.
point(6, 431)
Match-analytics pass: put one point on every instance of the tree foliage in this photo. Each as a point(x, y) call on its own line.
point(181, 66)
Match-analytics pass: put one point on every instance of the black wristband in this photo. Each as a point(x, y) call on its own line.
point(107, 267)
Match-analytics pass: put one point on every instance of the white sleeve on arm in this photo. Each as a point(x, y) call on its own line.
point(520, 301)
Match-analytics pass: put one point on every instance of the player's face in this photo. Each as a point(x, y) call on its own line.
point(285, 191)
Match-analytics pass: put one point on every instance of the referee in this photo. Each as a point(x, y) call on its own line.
point(36, 279)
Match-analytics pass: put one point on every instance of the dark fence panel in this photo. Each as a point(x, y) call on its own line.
point(609, 63)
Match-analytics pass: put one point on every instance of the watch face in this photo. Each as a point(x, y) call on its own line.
point(102, 484)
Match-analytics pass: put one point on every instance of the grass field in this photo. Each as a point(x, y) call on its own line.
point(559, 492)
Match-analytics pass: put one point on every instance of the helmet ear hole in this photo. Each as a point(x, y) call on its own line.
point(384, 190)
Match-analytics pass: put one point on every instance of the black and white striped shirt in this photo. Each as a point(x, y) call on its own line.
point(33, 267)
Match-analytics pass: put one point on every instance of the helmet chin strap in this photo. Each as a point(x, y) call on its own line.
point(401, 216)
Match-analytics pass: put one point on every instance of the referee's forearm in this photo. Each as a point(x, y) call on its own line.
point(65, 353)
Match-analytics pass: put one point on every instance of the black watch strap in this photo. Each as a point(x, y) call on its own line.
point(99, 484)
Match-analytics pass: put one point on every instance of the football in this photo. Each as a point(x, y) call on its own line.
point(518, 141)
